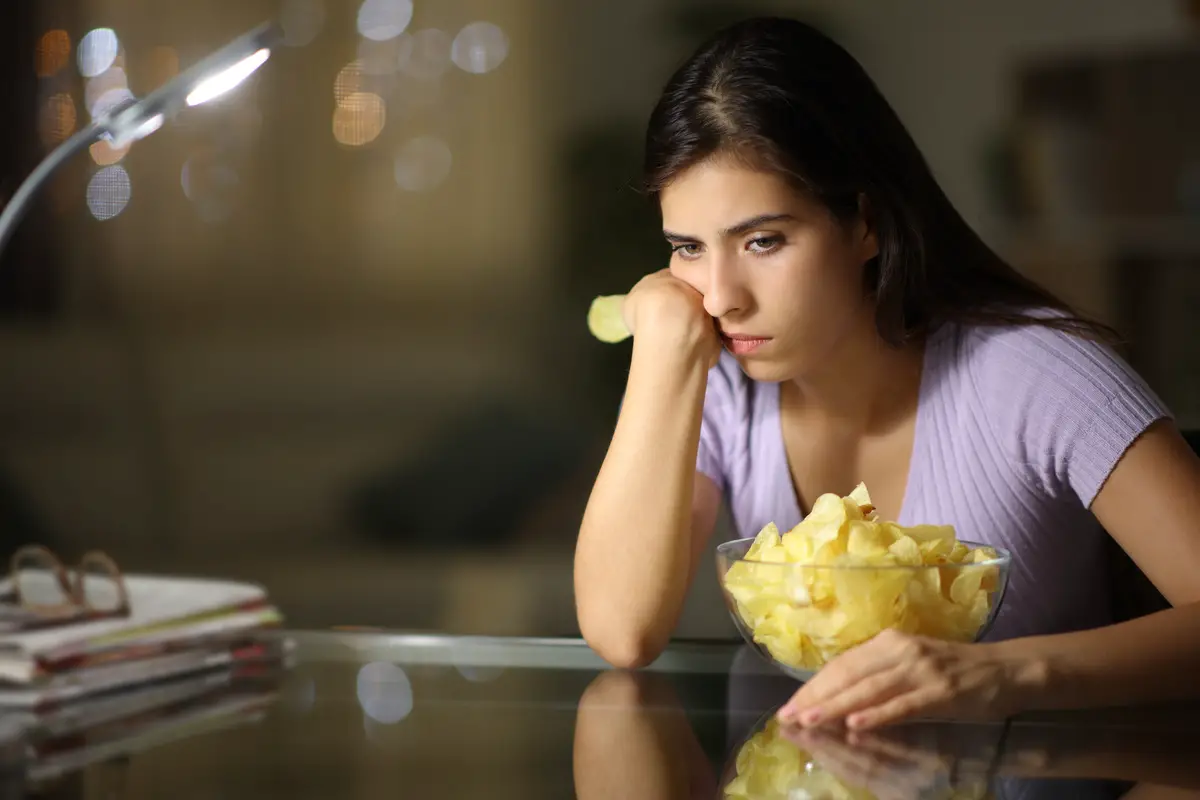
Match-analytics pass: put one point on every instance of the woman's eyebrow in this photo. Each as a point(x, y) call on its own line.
point(734, 230)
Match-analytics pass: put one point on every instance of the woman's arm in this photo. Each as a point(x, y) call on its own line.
point(1156, 752)
point(649, 514)
point(1152, 791)
point(1151, 505)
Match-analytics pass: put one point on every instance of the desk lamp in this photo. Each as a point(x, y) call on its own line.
point(135, 119)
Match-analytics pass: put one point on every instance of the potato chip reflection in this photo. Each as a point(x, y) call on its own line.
point(776, 762)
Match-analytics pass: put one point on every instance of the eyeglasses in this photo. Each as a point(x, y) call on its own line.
point(43, 592)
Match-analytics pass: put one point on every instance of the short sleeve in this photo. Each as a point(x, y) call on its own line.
point(1064, 407)
point(718, 425)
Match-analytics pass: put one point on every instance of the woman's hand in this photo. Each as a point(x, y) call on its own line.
point(888, 770)
point(895, 676)
point(661, 305)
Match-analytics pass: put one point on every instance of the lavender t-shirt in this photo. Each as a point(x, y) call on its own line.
point(1017, 429)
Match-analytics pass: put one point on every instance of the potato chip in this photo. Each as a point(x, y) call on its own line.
point(905, 550)
point(843, 575)
point(606, 318)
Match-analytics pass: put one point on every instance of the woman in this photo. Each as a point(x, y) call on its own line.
point(828, 318)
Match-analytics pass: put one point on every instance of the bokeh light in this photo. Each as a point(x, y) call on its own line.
point(348, 81)
point(462, 655)
point(112, 79)
point(423, 163)
point(384, 19)
point(384, 692)
point(359, 119)
point(301, 21)
point(425, 54)
point(479, 47)
point(108, 192)
point(97, 51)
point(109, 100)
point(57, 119)
point(104, 154)
point(52, 53)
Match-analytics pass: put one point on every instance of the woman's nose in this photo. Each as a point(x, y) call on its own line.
point(725, 293)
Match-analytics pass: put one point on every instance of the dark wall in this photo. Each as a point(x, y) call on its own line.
point(28, 274)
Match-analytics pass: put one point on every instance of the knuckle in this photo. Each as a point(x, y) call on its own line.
point(912, 648)
point(927, 666)
point(943, 686)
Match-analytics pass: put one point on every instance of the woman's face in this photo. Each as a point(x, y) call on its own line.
point(781, 275)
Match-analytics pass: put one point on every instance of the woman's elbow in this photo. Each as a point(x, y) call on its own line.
point(625, 650)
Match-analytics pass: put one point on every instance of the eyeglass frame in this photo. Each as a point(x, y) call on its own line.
point(77, 603)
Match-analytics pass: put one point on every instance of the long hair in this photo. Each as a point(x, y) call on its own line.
point(779, 95)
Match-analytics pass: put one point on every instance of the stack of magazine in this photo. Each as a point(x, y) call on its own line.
point(175, 656)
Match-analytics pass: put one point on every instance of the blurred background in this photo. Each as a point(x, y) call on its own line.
point(328, 332)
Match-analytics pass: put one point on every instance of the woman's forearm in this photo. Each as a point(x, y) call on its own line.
point(1151, 659)
point(633, 555)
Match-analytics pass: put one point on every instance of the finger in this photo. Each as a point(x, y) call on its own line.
point(902, 706)
point(882, 744)
point(883, 778)
point(814, 740)
point(917, 768)
point(835, 677)
point(870, 691)
point(845, 763)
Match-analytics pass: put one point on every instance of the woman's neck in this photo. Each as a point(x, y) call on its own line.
point(865, 385)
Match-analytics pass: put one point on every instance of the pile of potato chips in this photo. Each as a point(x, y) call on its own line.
point(769, 767)
point(832, 582)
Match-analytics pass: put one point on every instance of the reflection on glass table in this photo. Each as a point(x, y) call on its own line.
point(372, 714)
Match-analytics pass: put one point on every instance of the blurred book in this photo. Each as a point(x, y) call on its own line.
point(76, 693)
point(166, 615)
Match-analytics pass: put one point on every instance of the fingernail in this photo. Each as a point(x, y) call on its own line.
point(855, 721)
point(811, 717)
point(785, 713)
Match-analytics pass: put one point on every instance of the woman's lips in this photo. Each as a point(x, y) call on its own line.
point(741, 344)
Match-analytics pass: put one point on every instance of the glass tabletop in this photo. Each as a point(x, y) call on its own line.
point(367, 714)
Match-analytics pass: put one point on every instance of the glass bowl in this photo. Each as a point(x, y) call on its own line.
point(799, 616)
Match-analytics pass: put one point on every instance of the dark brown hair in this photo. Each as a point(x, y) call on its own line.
point(780, 95)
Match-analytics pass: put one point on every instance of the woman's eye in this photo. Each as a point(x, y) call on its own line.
point(764, 244)
point(686, 250)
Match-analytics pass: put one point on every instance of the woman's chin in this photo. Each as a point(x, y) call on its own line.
point(765, 370)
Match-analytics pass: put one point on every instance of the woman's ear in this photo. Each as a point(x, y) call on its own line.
point(864, 230)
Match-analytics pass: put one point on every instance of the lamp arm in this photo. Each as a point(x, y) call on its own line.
point(12, 213)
